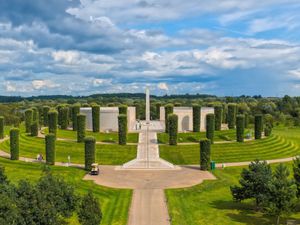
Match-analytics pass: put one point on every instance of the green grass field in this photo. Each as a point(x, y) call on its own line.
point(283, 143)
point(114, 202)
point(224, 135)
point(211, 203)
point(106, 154)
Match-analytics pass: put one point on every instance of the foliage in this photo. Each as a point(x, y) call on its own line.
point(34, 129)
point(64, 117)
point(157, 109)
point(28, 119)
point(296, 170)
point(168, 110)
point(240, 128)
point(89, 152)
point(46, 110)
point(196, 118)
point(254, 183)
point(123, 109)
point(268, 130)
point(205, 152)
point(52, 120)
point(96, 118)
point(246, 120)
point(1, 127)
point(210, 127)
point(258, 126)
point(75, 112)
point(281, 193)
point(80, 127)
point(231, 119)
point(218, 117)
point(122, 129)
point(14, 143)
point(89, 212)
point(173, 129)
point(50, 148)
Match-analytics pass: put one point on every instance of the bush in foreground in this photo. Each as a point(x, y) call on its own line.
point(89, 212)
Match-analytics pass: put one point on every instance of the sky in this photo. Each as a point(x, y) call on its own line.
point(83, 47)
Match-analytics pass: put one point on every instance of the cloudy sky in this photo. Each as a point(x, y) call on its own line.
point(227, 47)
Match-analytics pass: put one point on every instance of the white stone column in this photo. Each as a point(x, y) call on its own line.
point(147, 105)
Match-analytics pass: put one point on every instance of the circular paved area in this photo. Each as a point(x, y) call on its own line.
point(150, 179)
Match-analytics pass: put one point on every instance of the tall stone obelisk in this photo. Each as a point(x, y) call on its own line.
point(147, 105)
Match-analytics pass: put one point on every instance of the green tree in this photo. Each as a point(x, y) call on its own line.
point(122, 125)
point(205, 152)
point(254, 183)
point(96, 118)
point(196, 118)
point(1, 127)
point(9, 212)
point(173, 129)
point(231, 118)
point(80, 127)
point(28, 119)
point(210, 127)
point(89, 212)
point(218, 117)
point(282, 194)
point(168, 110)
point(89, 152)
point(296, 170)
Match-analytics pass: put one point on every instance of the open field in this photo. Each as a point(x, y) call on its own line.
point(114, 202)
point(101, 137)
point(211, 203)
point(224, 135)
point(283, 143)
point(106, 154)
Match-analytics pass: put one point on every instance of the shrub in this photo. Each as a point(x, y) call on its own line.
point(28, 120)
point(258, 126)
point(50, 149)
point(14, 143)
point(240, 128)
point(225, 109)
point(205, 149)
point(96, 118)
point(1, 127)
point(34, 129)
point(246, 120)
point(196, 118)
point(46, 110)
point(157, 107)
point(123, 109)
point(64, 117)
point(35, 114)
point(89, 210)
point(89, 152)
point(122, 123)
point(268, 130)
point(210, 127)
point(231, 118)
point(168, 110)
point(52, 120)
point(173, 129)
point(218, 117)
point(75, 111)
point(80, 127)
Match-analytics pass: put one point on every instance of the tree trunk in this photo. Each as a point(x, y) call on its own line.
point(278, 220)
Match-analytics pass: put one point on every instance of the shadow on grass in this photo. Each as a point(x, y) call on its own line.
point(247, 214)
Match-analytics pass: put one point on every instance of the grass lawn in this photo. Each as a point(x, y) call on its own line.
point(114, 202)
point(283, 143)
point(211, 203)
point(103, 137)
point(224, 135)
point(106, 154)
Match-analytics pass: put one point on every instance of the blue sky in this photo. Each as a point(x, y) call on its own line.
point(227, 47)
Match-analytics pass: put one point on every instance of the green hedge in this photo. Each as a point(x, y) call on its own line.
point(34, 128)
point(81, 127)
point(75, 112)
point(231, 118)
point(196, 118)
point(173, 129)
point(52, 120)
point(240, 128)
point(64, 117)
point(205, 151)
point(50, 149)
point(89, 152)
point(46, 110)
point(123, 109)
point(258, 126)
point(225, 109)
point(96, 118)
point(210, 127)
point(14, 143)
point(246, 120)
point(169, 108)
point(218, 117)
point(35, 114)
point(28, 120)
point(1, 127)
point(268, 130)
point(122, 123)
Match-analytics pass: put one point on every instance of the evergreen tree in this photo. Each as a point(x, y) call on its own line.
point(296, 170)
point(89, 212)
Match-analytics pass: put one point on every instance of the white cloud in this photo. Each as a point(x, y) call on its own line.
point(10, 87)
point(40, 84)
point(99, 82)
point(163, 86)
point(67, 57)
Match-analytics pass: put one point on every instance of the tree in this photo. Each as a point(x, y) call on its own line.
point(64, 117)
point(157, 109)
point(89, 212)
point(1, 127)
point(9, 212)
point(34, 129)
point(173, 129)
point(240, 128)
point(14, 143)
point(258, 126)
point(196, 118)
point(168, 110)
point(122, 124)
point(210, 127)
point(218, 117)
point(28, 119)
point(296, 170)
point(75, 111)
point(231, 118)
point(50, 148)
point(46, 110)
point(89, 152)
point(96, 118)
point(282, 193)
point(3, 177)
point(123, 109)
point(205, 150)
point(52, 120)
point(254, 183)
point(80, 127)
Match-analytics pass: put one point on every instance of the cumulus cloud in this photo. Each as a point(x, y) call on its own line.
point(40, 84)
point(163, 86)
